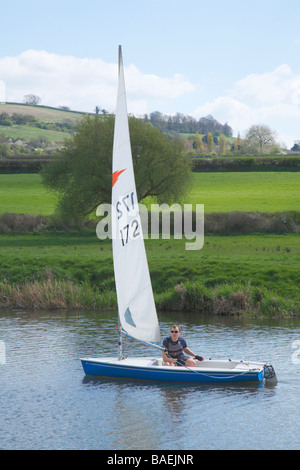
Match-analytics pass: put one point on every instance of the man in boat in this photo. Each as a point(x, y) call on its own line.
point(175, 346)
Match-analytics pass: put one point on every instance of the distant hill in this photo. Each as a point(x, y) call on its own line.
point(27, 128)
point(42, 113)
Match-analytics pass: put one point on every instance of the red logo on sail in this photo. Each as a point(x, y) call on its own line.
point(116, 175)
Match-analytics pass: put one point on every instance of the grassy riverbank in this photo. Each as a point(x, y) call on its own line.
point(249, 274)
point(253, 273)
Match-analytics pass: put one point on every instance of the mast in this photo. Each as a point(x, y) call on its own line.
point(120, 337)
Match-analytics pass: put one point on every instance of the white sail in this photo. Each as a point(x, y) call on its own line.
point(136, 305)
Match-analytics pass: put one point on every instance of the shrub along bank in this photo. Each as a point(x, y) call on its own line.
point(24, 163)
point(222, 223)
point(34, 163)
point(270, 163)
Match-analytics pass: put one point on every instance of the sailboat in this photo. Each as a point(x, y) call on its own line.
point(137, 316)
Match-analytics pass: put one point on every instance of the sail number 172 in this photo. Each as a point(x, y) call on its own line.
point(131, 229)
point(124, 207)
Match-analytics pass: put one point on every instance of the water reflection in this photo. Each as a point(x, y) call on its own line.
point(175, 395)
point(144, 413)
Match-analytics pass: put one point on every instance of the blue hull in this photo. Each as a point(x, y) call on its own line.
point(164, 374)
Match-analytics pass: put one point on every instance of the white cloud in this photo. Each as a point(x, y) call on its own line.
point(156, 87)
point(278, 86)
point(83, 83)
point(268, 87)
point(271, 98)
point(226, 109)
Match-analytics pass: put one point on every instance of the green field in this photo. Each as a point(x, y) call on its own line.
point(42, 114)
point(28, 133)
point(23, 193)
point(219, 192)
point(246, 191)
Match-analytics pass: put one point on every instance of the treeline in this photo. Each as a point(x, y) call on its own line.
point(187, 124)
point(269, 163)
point(24, 163)
point(34, 163)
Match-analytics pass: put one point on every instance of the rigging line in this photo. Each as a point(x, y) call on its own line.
point(155, 345)
point(122, 144)
point(213, 376)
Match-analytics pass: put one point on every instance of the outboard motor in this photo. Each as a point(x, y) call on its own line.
point(270, 374)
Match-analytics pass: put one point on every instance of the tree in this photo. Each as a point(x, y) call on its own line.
point(222, 144)
point(199, 143)
point(210, 142)
point(32, 99)
point(296, 146)
point(260, 136)
point(82, 175)
point(4, 146)
point(227, 130)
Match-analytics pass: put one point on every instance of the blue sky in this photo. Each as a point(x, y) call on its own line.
point(237, 60)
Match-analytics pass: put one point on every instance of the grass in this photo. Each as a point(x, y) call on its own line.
point(254, 274)
point(28, 133)
point(219, 192)
point(250, 273)
point(246, 191)
point(23, 193)
point(53, 294)
point(42, 114)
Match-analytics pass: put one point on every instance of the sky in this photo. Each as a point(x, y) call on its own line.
point(238, 61)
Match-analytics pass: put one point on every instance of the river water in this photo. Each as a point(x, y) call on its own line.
point(48, 403)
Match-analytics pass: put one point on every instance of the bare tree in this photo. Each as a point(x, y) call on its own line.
point(262, 136)
point(32, 99)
